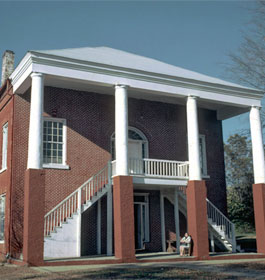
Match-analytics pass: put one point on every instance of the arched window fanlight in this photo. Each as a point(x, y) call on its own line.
point(133, 134)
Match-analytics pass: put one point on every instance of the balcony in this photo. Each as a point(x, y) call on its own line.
point(156, 168)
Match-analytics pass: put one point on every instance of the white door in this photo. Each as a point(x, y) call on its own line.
point(135, 155)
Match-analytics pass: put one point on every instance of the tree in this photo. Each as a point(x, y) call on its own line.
point(239, 176)
point(248, 62)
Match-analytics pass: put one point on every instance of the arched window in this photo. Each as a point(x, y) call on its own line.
point(135, 137)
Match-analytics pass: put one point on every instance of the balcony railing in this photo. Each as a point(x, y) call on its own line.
point(156, 168)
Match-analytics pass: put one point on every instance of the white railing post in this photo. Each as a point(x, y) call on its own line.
point(158, 168)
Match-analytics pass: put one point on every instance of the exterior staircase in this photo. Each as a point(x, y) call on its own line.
point(62, 225)
point(221, 229)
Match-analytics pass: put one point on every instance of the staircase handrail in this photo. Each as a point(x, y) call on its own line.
point(211, 205)
point(72, 203)
point(221, 220)
point(228, 227)
point(76, 191)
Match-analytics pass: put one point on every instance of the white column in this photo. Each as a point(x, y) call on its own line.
point(121, 129)
point(163, 225)
point(193, 139)
point(176, 212)
point(99, 227)
point(257, 145)
point(35, 125)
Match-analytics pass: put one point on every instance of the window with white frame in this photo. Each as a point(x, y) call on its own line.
point(4, 146)
point(54, 142)
point(2, 217)
point(203, 160)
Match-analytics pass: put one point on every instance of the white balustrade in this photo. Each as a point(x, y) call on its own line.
point(156, 168)
point(71, 204)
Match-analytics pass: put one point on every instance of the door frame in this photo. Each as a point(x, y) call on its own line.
point(146, 221)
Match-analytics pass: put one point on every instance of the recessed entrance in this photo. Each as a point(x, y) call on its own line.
point(141, 220)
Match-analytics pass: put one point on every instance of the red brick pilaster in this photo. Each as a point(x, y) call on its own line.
point(123, 218)
point(259, 208)
point(34, 202)
point(197, 218)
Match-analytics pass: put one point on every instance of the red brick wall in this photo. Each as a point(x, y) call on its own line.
point(90, 123)
point(6, 115)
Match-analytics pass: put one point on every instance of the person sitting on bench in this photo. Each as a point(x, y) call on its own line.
point(185, 244)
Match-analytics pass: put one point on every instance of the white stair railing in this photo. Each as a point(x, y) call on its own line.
point(220, 220)
point(72, 203)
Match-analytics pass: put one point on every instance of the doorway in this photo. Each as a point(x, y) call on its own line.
point(141, 220)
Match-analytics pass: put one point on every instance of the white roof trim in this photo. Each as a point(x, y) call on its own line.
point(109, 75)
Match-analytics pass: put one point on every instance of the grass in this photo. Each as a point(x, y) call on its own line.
point(190, 271)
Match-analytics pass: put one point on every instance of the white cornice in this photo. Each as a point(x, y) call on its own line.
point(35, 58)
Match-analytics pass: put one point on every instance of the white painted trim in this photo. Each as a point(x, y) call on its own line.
point(57, 165)
point(147, 217)
point(158, 181)
point(2, 170)
point(4, 145)
point(107, 75)
point(144, 141)
point(40, 59)
point(162, 217)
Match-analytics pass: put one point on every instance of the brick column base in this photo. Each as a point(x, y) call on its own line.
point(34, 202)
point(197, 218)
point(123, 218)
point(259, 208)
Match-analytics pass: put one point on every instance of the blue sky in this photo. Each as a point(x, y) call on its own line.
point(196, 35)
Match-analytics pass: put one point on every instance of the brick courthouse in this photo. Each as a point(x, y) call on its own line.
point(104, 152)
